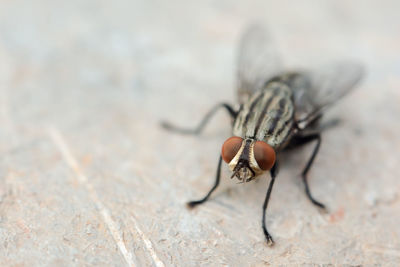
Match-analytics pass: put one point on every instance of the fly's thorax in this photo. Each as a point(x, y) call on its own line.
point(268, 115)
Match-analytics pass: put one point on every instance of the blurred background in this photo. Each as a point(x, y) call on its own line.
point(87, 176)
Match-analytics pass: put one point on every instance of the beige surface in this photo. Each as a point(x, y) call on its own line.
point(88, 178)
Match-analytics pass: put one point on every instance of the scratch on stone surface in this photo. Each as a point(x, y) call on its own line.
point(59, 141)
point(148, 245)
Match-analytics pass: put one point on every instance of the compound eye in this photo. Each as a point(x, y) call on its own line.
point(264, 155)
point(230, 148)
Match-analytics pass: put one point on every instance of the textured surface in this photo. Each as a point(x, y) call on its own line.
point(88, 178)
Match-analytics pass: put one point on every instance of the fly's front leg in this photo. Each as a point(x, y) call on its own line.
point(192, 204)
point(301, 140)
point(203, 123)
point(274, 172)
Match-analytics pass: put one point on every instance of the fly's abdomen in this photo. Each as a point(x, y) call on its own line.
point(267, 116)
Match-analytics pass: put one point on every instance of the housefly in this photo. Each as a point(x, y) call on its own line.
point(279, 110)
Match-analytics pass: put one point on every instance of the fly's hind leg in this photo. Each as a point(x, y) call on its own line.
point(194, 203)
point(299, 141)
point(203, 123)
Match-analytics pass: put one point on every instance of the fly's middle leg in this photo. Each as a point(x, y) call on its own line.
point(204, 121)
point(194, 203)
point(301, 140)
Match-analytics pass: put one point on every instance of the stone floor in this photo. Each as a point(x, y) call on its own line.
point(88, 178)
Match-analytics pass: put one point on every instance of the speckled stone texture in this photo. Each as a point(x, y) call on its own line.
point(88, 178)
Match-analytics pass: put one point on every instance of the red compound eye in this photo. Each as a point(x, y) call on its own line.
point(230, 148)
point(264, 155)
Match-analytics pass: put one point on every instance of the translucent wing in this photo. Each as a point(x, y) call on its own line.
point(323, 87)
point(257, 61)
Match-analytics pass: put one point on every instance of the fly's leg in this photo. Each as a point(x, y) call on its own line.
point(203, 123)
point(194, 203)
point(274, 172)
point(301, 140)
point(307, 139)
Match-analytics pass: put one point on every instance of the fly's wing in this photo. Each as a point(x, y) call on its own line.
point(324, 87)
point(257, 61)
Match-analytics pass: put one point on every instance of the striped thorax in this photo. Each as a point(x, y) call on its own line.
point(268, 116)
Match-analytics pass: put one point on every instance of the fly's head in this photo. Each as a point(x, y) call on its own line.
point(247, 158)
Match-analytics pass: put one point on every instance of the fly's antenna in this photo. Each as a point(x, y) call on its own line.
point(235, 171)
point(237, 168)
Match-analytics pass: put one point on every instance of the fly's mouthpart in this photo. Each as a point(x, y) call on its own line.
point(243, 172)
